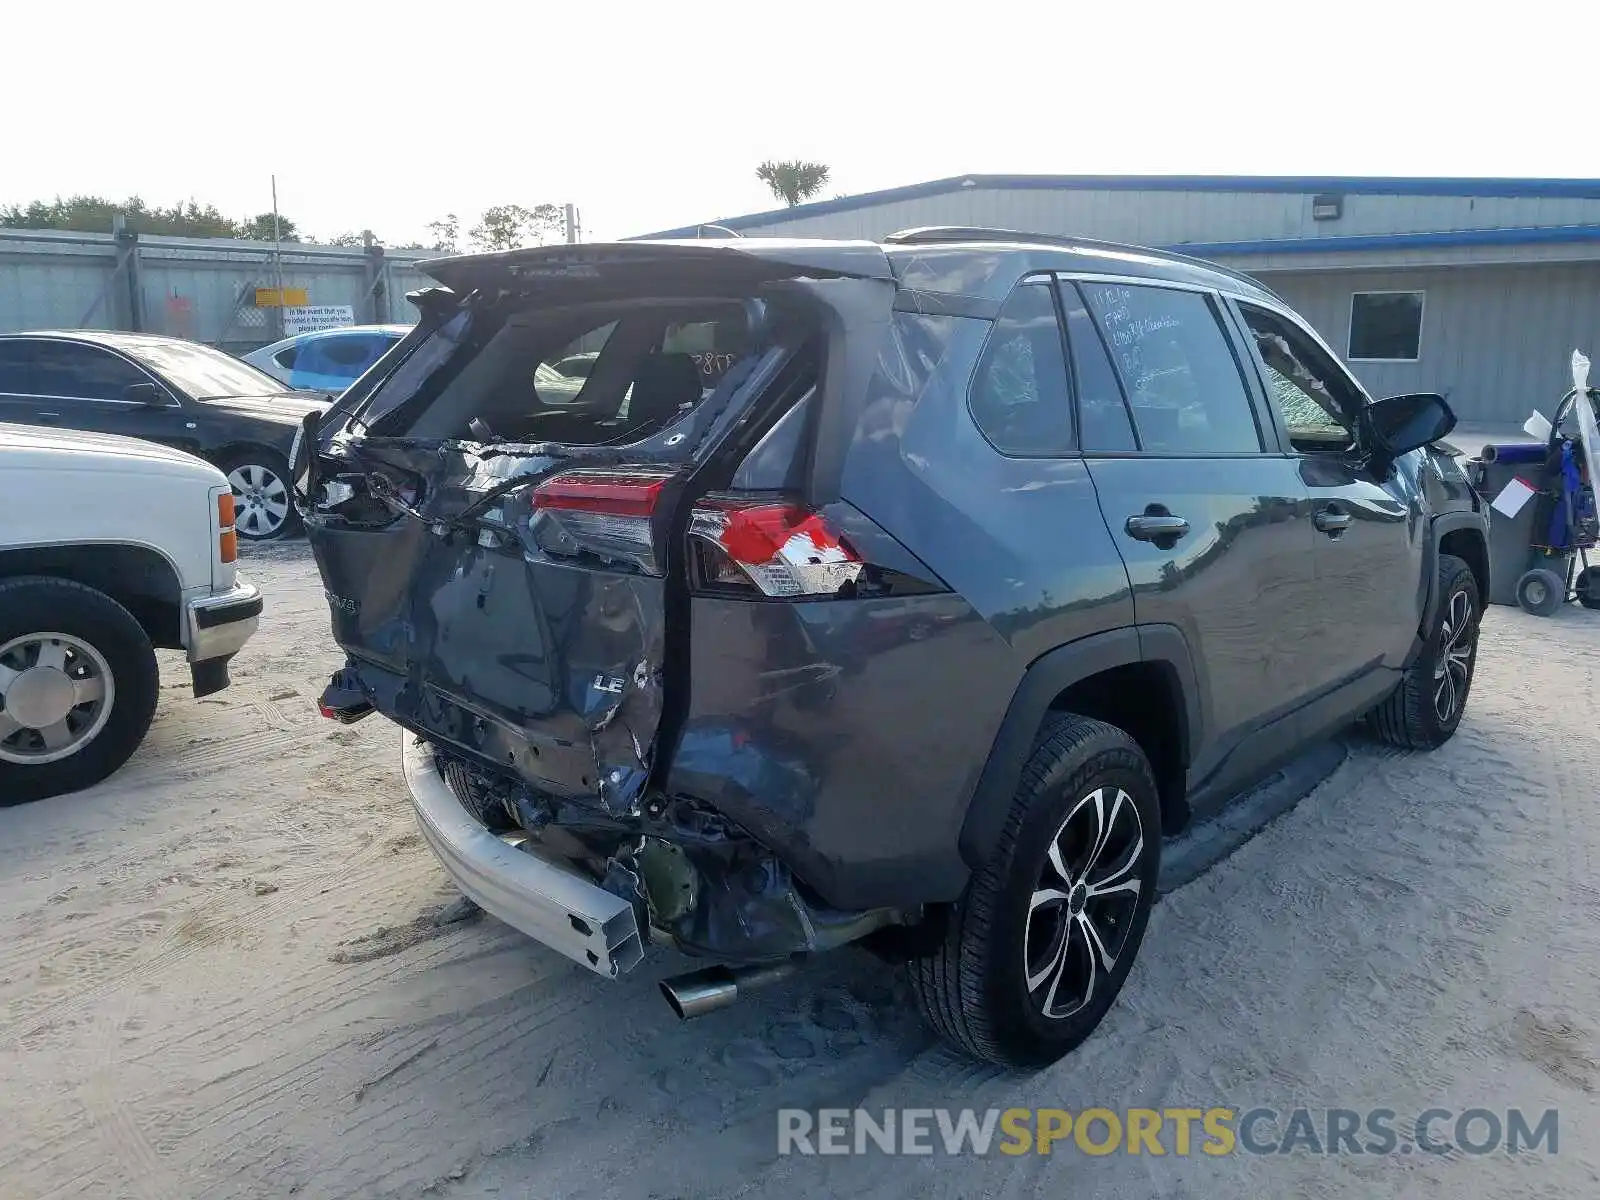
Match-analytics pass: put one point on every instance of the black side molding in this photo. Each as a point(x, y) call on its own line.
point(1442, 524)
point(1047, 678)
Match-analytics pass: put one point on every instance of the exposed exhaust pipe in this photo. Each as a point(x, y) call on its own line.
point(699, 992)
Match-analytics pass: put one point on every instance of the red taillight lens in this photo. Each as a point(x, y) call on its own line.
point(616, 493)
point(608, 513)
point(783, 549)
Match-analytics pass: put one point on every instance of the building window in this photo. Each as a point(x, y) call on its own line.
point(1385, 326)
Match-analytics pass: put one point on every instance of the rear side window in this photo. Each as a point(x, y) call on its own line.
point(16, 370)
point(286, 357)
point(1020, 397)
point(347, 355)
point(1102, 412)
point(1183, 382)
point(83, 372)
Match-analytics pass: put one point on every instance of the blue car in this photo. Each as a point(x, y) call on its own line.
point(328, 360)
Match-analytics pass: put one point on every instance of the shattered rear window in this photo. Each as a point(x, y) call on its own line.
point(494, 372)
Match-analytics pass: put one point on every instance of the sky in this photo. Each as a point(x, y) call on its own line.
point(649, 116)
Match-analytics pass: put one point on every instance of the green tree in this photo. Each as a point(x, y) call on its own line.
point(511, 226)
point(793, 180)
point(259, 229)
point(446, 233)
point(94, 214)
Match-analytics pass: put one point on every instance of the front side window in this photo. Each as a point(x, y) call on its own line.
point(82, 372)
point(1020, 397)
point(1311, 393)
point(1178, 369)
point(1386, 326)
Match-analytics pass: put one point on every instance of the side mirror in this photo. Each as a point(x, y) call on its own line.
point(147, 394)
point(1391, 427)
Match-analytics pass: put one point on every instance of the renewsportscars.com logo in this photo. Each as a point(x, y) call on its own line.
point(1159, 1131)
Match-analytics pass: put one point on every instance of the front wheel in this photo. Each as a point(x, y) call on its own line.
point(1035, 951)
point(1425, 709)
point(78, 687)
point(262, 506)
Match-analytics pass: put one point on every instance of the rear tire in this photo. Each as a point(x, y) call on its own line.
point(263, 504)
point(1034, 953)
point(1424, 711)
point(101, 649)
point(1541, 592)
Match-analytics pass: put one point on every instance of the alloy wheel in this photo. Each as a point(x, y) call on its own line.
point(260, 500)
point(56, 693)
point(1452, 673)
point(1083, 906)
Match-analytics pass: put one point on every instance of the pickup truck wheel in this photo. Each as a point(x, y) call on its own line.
point(263, 509)
point(1035, 951)
point(1424, 710)
point(78, 684)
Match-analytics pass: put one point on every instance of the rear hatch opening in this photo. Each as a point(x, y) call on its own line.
point(506, 546)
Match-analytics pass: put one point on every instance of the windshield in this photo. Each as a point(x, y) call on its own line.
point(204, 373)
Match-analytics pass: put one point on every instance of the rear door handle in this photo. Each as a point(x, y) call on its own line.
point(1331, 521)
point(1155, 527)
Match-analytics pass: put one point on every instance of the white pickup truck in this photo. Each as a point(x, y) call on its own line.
point(109, 547)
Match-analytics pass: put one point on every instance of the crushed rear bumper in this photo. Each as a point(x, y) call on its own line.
point(542, 898)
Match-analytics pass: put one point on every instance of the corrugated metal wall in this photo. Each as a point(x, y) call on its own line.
point(1497, 341)
point(1167, 218)
point(188, 287)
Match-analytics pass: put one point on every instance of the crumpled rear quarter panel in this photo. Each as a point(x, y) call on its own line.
point(848, 736)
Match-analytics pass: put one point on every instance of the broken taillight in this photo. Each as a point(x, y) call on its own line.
point(606, 512)
point(781, 549)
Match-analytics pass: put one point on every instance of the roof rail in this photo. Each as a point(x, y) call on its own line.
point(978, 233)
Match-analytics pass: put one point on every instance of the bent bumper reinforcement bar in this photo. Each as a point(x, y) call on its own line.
point(544, 899)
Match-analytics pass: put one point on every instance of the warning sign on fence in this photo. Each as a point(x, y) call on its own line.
point(279, 297)
point(308, 318)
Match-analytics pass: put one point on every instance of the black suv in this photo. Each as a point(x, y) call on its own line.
point(906, 594)
point(167, 390)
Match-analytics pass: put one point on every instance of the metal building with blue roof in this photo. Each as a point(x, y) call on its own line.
point(1477, 288)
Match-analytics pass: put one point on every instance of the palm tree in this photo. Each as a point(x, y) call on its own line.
point(794, 180)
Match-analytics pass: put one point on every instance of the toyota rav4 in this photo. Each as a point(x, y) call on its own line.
point(907, 594)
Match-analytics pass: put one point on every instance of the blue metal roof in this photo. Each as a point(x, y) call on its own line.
point(1580, 189)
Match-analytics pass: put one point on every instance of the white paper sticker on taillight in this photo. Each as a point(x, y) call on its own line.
point(783, 549)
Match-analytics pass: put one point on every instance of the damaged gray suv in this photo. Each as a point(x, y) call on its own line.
point(902, 594)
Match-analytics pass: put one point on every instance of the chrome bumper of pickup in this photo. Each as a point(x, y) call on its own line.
point(544, 899)
point(219, 625)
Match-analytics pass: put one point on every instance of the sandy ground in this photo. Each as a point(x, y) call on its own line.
point(229, 972)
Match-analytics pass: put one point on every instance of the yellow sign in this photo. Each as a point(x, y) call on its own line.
point(281, 298)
